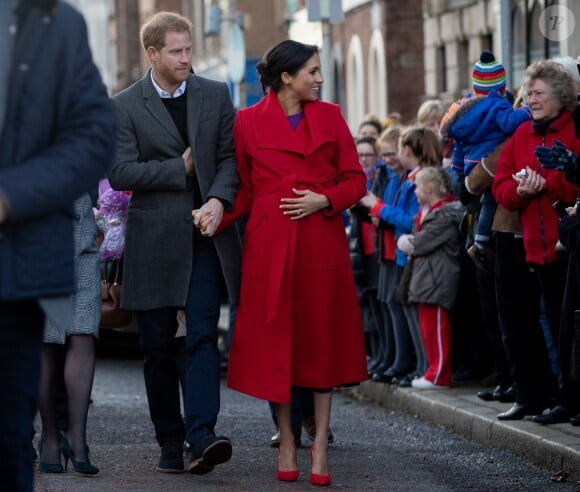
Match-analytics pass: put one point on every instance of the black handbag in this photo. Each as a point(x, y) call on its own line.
point(111, 312)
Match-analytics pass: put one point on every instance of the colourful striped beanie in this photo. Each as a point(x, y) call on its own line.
point(488, 74)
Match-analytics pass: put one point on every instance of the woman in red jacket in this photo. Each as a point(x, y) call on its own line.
point(298, 321)
point(522, 184)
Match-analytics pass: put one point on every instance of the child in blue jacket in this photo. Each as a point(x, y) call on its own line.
point(478, 125)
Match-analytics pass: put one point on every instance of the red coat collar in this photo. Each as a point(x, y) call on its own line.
point(557, 125)
point(273, 131)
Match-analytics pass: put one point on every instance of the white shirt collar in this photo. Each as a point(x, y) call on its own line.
point(164, 94)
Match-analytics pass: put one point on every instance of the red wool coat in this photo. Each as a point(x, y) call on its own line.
point(538, 219)
point(298, 321)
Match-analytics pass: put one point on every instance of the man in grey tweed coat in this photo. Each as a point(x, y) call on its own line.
point(176, 153)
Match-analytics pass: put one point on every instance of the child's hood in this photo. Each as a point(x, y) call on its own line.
point(467, 114)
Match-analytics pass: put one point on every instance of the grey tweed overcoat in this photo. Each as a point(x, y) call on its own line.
point(86, 301)
point(159, 241)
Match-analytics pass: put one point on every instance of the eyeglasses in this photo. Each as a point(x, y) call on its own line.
point(388, 155)
point(536, 94)
point(369, 155)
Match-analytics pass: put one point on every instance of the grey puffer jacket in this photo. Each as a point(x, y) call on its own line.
point(435, 276)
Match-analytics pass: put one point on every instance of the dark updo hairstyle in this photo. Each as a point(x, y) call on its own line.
point(288, 56)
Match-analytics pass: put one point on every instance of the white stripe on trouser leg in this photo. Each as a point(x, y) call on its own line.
point(439, 346)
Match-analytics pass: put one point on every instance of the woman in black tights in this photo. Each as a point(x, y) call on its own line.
point(76, 330)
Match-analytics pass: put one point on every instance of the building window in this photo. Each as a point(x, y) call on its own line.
point(355, 84)
point(463, 65)
point(536, 39)
point(529, 44)
point(441, 70)
point(377, 79)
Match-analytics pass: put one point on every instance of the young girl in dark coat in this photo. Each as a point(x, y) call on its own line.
point(434, 248)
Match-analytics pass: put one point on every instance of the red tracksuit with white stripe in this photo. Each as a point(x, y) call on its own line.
point(435, 324)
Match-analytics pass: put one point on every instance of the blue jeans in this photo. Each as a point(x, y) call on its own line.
point(486, 213)
point(202, 380)
point(21, 327)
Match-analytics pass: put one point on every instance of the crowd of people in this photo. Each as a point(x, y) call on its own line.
point(503, 309)
point(461, 227)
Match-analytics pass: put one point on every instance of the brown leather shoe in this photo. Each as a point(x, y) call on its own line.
point(309, 425)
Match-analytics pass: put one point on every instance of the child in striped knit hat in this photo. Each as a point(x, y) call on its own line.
point(478, 125)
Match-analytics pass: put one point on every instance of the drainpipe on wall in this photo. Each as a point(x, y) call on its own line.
point(505, 26)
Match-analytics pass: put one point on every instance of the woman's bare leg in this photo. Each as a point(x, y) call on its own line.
point(287, 458)
point(322, 405)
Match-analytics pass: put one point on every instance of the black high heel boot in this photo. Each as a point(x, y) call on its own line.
point(48, 467)
point(84, 467)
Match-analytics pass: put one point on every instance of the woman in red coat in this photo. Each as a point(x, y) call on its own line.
point(298, 321)
point(523, 185)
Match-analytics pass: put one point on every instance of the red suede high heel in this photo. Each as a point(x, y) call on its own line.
point(315, 478)
point(286, 475)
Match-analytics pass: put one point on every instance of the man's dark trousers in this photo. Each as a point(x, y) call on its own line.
point(158, 328)
point(21, 327)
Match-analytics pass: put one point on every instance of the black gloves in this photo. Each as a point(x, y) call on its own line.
point(557, 157)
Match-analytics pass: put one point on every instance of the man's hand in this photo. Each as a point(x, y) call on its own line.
point(188, 161)
point(208, 217)
point(557, 157)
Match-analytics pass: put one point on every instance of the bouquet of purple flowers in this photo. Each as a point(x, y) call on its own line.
point(111, 218)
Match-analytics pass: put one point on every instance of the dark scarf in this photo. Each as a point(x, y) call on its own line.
point(541, 127)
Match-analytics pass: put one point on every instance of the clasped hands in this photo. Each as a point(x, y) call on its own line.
point(208, 218)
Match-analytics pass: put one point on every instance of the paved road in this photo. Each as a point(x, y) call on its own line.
point(375, 449)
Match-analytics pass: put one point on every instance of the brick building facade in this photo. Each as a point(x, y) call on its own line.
point(386, 55)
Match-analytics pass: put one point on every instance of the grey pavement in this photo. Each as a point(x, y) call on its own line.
point(554, 447)
point(374, 449)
